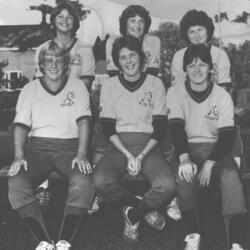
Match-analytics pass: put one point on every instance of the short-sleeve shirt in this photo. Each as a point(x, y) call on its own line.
point(204, 118)
point(133, 109)
point(82, 61)
point(151, 46)
point(221, 66)
point(53, 115)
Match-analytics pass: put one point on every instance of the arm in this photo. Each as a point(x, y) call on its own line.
point(20, 137)
point(223, 68)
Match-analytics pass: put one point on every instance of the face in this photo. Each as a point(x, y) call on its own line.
point(64, 22)
point(136, 26)
point(197, 71)
point(197, 34)
point(54, 67)
point(129, 61)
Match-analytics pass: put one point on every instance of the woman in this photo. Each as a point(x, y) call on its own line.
point(133, 116)
point(65, 23)
point(201, 122)
point(135, 21)
point(53, 111)
point(197, 28)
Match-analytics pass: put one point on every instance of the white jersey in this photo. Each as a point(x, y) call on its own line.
point(53, 115)
point(133, 109)
point(151, 46)
point(203, 118)
point(221, 66)
point(82, 61)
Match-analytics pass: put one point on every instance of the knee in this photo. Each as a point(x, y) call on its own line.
point(100, 182)
point(230, 177)
point(79, 182)
point(166, 187)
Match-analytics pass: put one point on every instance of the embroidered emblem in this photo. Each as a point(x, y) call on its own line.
point(76, 59)
point(213, 114)
point(69, 99)
point(147, 99)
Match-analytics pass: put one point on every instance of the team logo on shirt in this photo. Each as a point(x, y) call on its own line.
point(147, 99)
point(76, 59)
point(213, 114)
point(69, 99)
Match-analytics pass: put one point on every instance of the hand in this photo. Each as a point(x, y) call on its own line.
point(16, 165)
point(82, 163)
point(138, 162)
point(205, 173)
point(132, 166)
point(187, 170)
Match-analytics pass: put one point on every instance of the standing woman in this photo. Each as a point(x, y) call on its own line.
point(54, 112)
point(133, 115)
point(65, 23)
point(135, 21)
point(201, 122)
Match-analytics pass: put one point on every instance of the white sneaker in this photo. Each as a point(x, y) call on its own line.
point(96, 205)
point(192, 242)
point(236, 246)
point(44, 245)
point(63, 245)
point(156, 220)
point(130, 232)
point(173, 210)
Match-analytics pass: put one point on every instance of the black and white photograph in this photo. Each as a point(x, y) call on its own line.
point(124, 124)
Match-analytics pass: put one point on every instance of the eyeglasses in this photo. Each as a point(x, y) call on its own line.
point(51, 61)
point(67, 18)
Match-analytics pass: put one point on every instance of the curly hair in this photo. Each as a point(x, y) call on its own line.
point(197, 51)
point(132, 11)
point(130, 43)
point(57, 10)
point(193, 18)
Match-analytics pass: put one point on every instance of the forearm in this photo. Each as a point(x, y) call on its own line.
point(83, 135)
point(20, 137)
point(115, 140)
point(149, 146)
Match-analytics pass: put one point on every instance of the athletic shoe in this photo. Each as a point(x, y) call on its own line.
point(155, 219)
point(43, 196)
point(130, 232)
point(236, 246)
point(44, 245)
point(192, 242)
point(96, 205)
point(63, 245)
point(173, 210)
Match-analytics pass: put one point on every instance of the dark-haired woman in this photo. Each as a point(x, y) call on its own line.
point(53, 111)
point(133, 116)
point(196, 27)
point(135, 21)
point(65, 23)
point(201, 122)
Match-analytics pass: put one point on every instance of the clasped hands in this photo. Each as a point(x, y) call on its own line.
point(188, 169)
point(134, 164)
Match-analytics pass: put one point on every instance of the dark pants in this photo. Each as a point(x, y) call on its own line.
point(45, 155)
point(112, 167)
point(225, 175)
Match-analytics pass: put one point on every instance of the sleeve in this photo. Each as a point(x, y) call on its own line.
point(24, 108)
point(226, 113)
point(37, 72)
point(177, 73)
point(223, 68)
point(88, 63)
point(154, 59)
point(159, 108)
point(109, 60)
point(82, 108)
point(107, 111)
point(174, 108)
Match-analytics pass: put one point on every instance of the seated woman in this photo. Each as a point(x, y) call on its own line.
point(54, 112)
point(201, 122)
point(135, 21)
point(133, 115)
